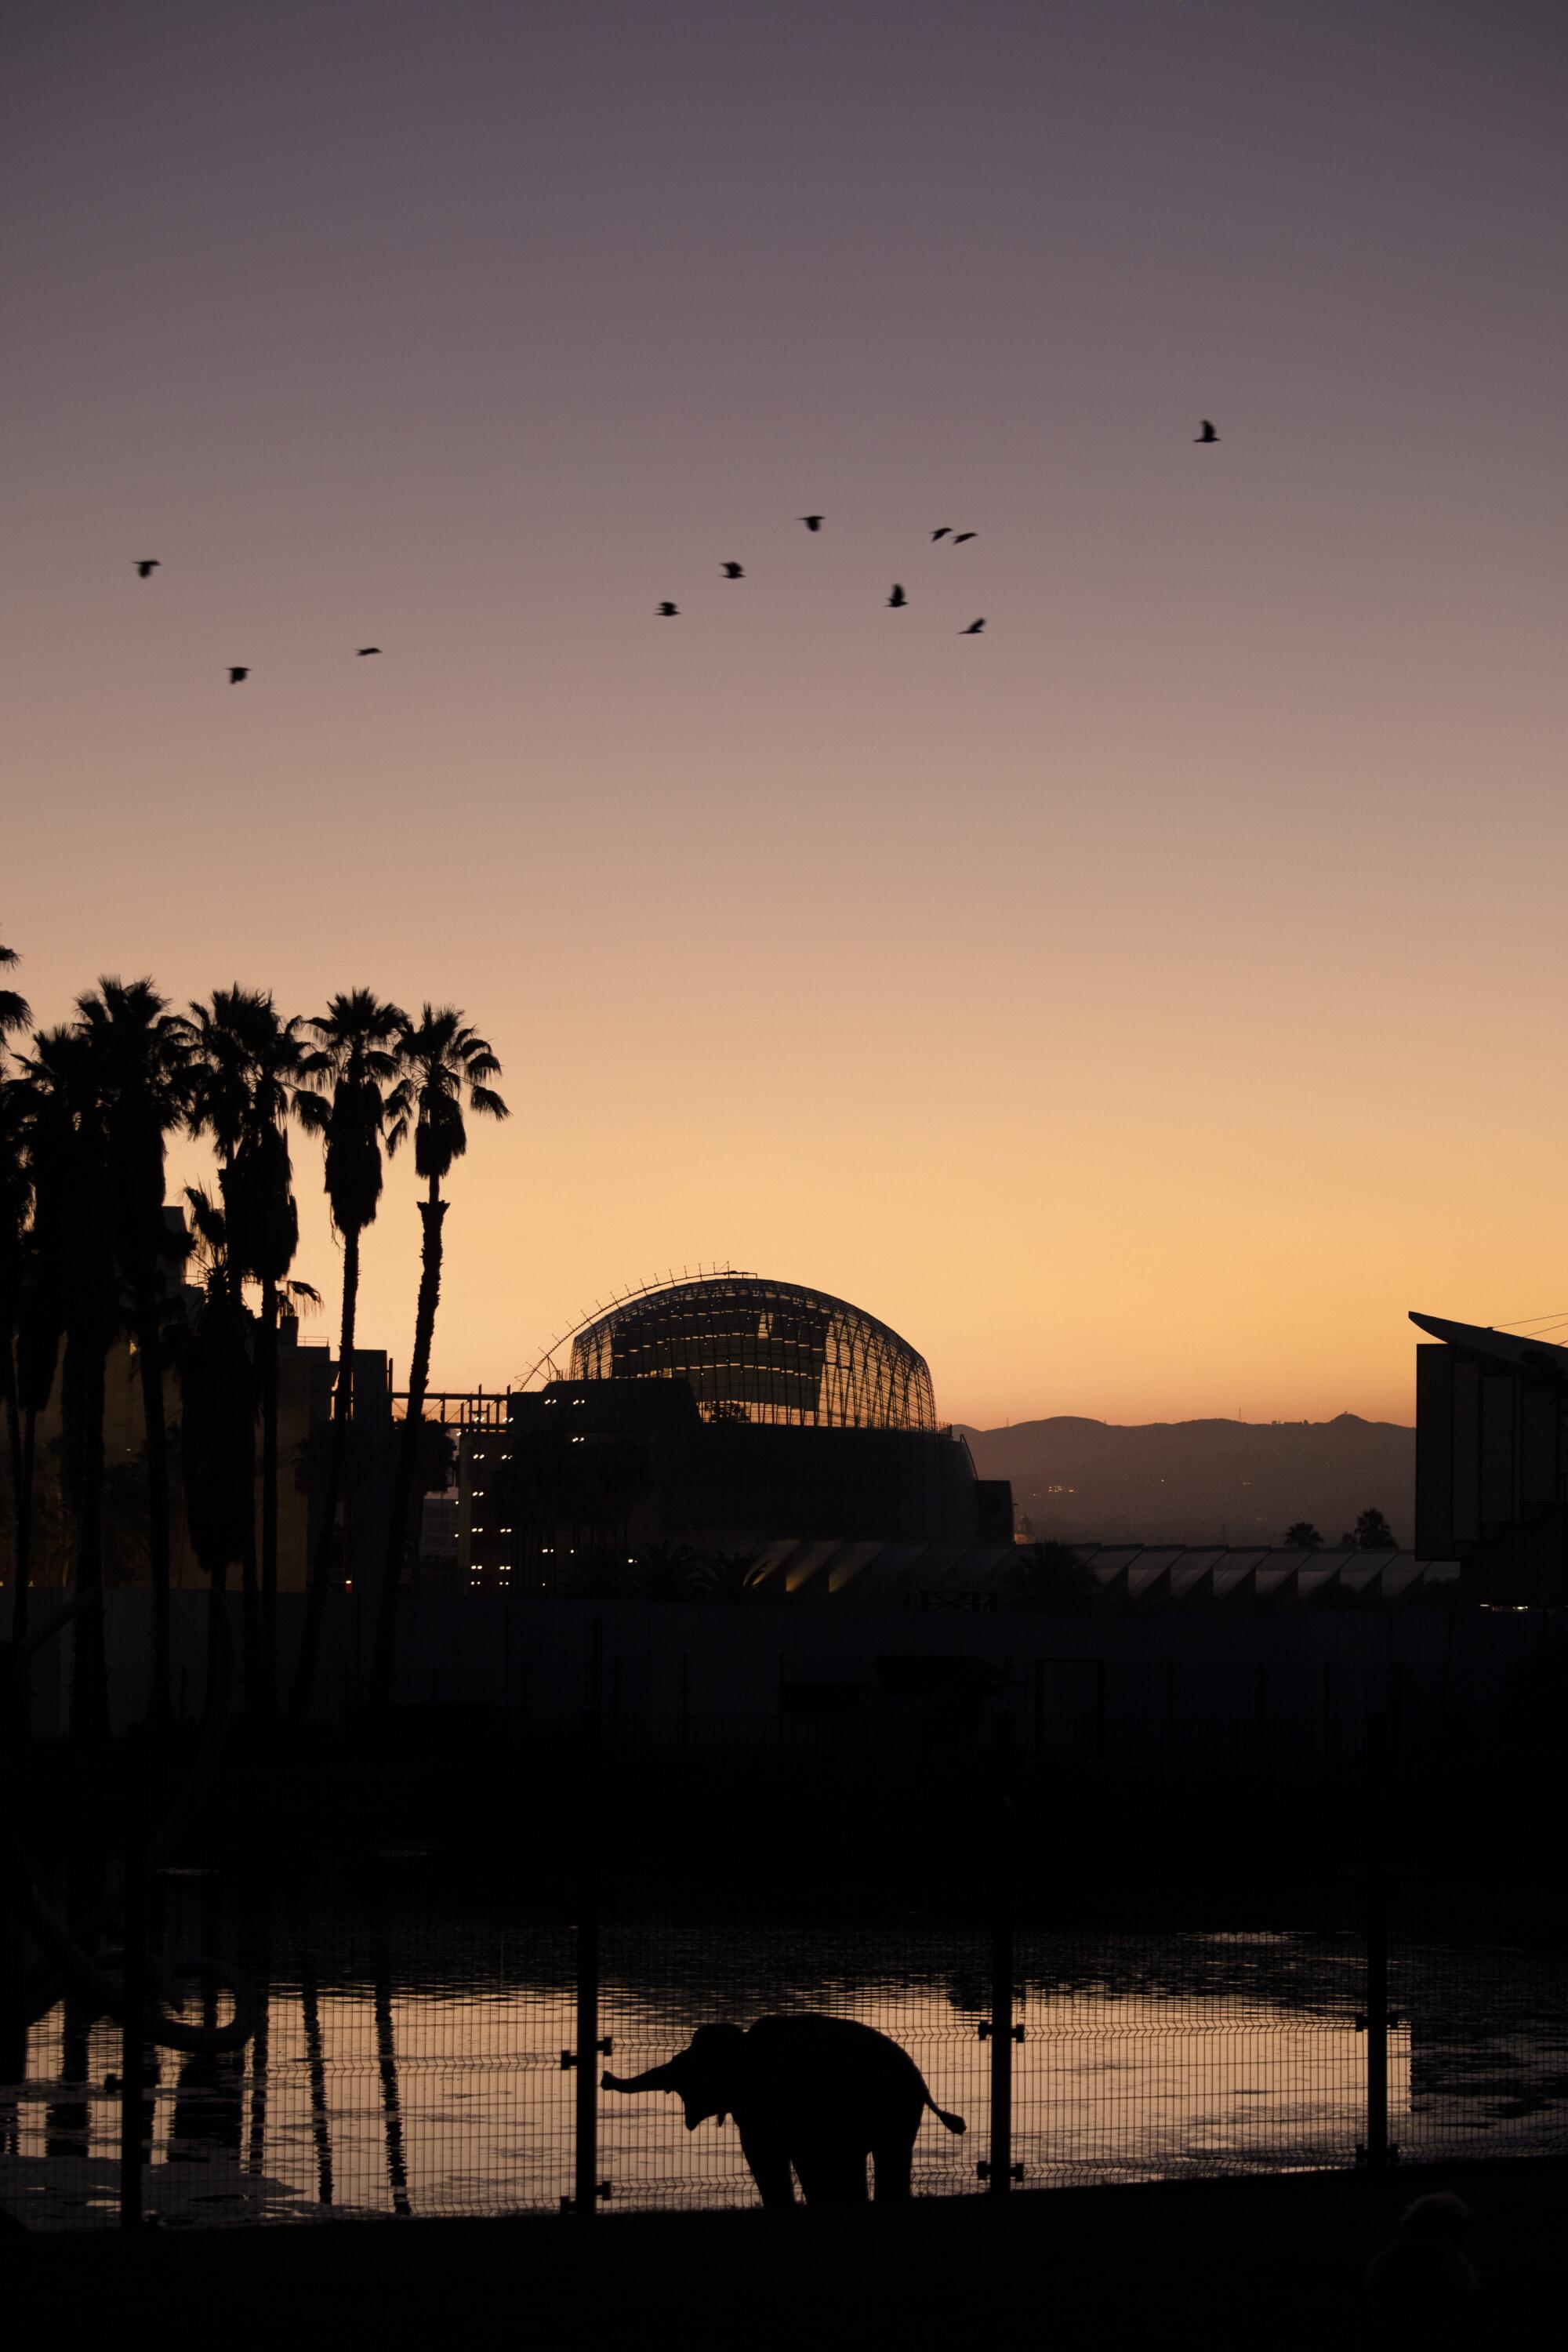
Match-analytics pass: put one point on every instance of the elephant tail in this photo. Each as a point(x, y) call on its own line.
point(953, 2123)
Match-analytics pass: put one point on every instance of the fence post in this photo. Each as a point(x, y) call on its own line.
point(1376, 2154)
point(133, 2034)
point(998, 2171)
point(587, 2189)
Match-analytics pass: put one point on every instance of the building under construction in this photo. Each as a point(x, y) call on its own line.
point(721, 1412)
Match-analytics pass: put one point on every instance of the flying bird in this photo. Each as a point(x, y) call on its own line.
point(668, 612)
point(237, 677)
point(961, 537)
point(973, 629)
point(145, 566)
point(942, 533)
point(812, 522)
point(898, 596)
point(734, 572)
point(363, 650)
point(1208, 434)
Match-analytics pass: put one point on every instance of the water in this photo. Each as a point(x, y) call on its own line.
point(410, 2061)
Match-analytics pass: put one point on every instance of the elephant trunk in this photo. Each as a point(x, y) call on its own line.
point(658, 2078)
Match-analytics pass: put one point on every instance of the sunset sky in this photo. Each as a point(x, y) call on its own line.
point(1140, 1005)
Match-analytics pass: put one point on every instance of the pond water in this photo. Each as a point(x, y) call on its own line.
point(409, 2059)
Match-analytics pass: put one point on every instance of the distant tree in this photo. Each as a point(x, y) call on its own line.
point(1302, 1536)
point(732, 1576)
point(125, 1520)
point(663, 1571)
point(1373, 1533)
point(1050, 1577)
point(612, 1476)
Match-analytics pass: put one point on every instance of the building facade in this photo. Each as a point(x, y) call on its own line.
point(720, 1413)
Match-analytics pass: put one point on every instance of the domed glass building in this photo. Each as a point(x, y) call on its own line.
point(754, 1349)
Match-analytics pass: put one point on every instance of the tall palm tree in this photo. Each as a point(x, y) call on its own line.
point(144, 1055)
point(15, 1012)
point(218, 1410)
point(77, 1292)
point(16, 1210)
point(352, 1067)
point(16, 1201)
point(443, 1062)
point(248, 1062)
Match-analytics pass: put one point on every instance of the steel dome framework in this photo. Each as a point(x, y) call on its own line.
point(759, 1350)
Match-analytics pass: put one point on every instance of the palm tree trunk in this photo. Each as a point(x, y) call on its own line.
point(150, 1361)
point(304, 1683)
point(401, 1524)
point(250, 1609)
point(81, 1396)
point(23, 1551)
point(268, 1680)
point(14, 1443)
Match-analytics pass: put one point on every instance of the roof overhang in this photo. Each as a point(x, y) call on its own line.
point(1520, 1354)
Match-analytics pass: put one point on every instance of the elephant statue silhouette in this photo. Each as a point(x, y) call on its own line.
point(819, 2095)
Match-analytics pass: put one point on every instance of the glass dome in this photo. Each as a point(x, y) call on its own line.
point(759, 1350)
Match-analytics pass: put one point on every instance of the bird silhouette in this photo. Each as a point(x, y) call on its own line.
point(734, 572)
point(1208, 434)
point(363, 650)
point(973, 629)
point(898, 596)
point(668, 612)
point(961, 537)
point(812, 522)
point(237, 677)
point(145, 566)
point(942, 533)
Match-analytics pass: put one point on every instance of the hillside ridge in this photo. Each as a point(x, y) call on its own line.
point(1200, 1481)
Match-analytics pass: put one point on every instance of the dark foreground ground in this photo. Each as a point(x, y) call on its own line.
point(1240, 2262)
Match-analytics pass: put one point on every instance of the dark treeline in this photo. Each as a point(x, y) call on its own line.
point(89, 1256)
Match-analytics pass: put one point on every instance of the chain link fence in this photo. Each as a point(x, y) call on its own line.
point(414, 2045)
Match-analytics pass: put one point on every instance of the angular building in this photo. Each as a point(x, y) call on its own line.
point(1492, 1458)
point(723, 1412)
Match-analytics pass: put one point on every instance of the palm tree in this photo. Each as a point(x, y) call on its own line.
point(217, 1388)
point(143, 1053)
point(1050, 1576)
point(733, 1577)
point(351, 1068)
point(16, 1207)
point(76, 1292)
point(443, 1059)
point(248, 1065)
point(16, 1202)
point(15, 1012)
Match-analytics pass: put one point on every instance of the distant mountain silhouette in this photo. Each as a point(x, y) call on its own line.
point(1239, 1482)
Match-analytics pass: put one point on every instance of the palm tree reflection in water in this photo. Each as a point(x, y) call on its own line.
point(315, 2064)
point(387, 2066)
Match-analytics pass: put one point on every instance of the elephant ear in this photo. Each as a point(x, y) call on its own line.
point(716, 2041)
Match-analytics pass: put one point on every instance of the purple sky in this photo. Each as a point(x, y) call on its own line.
point(1140, 1005)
